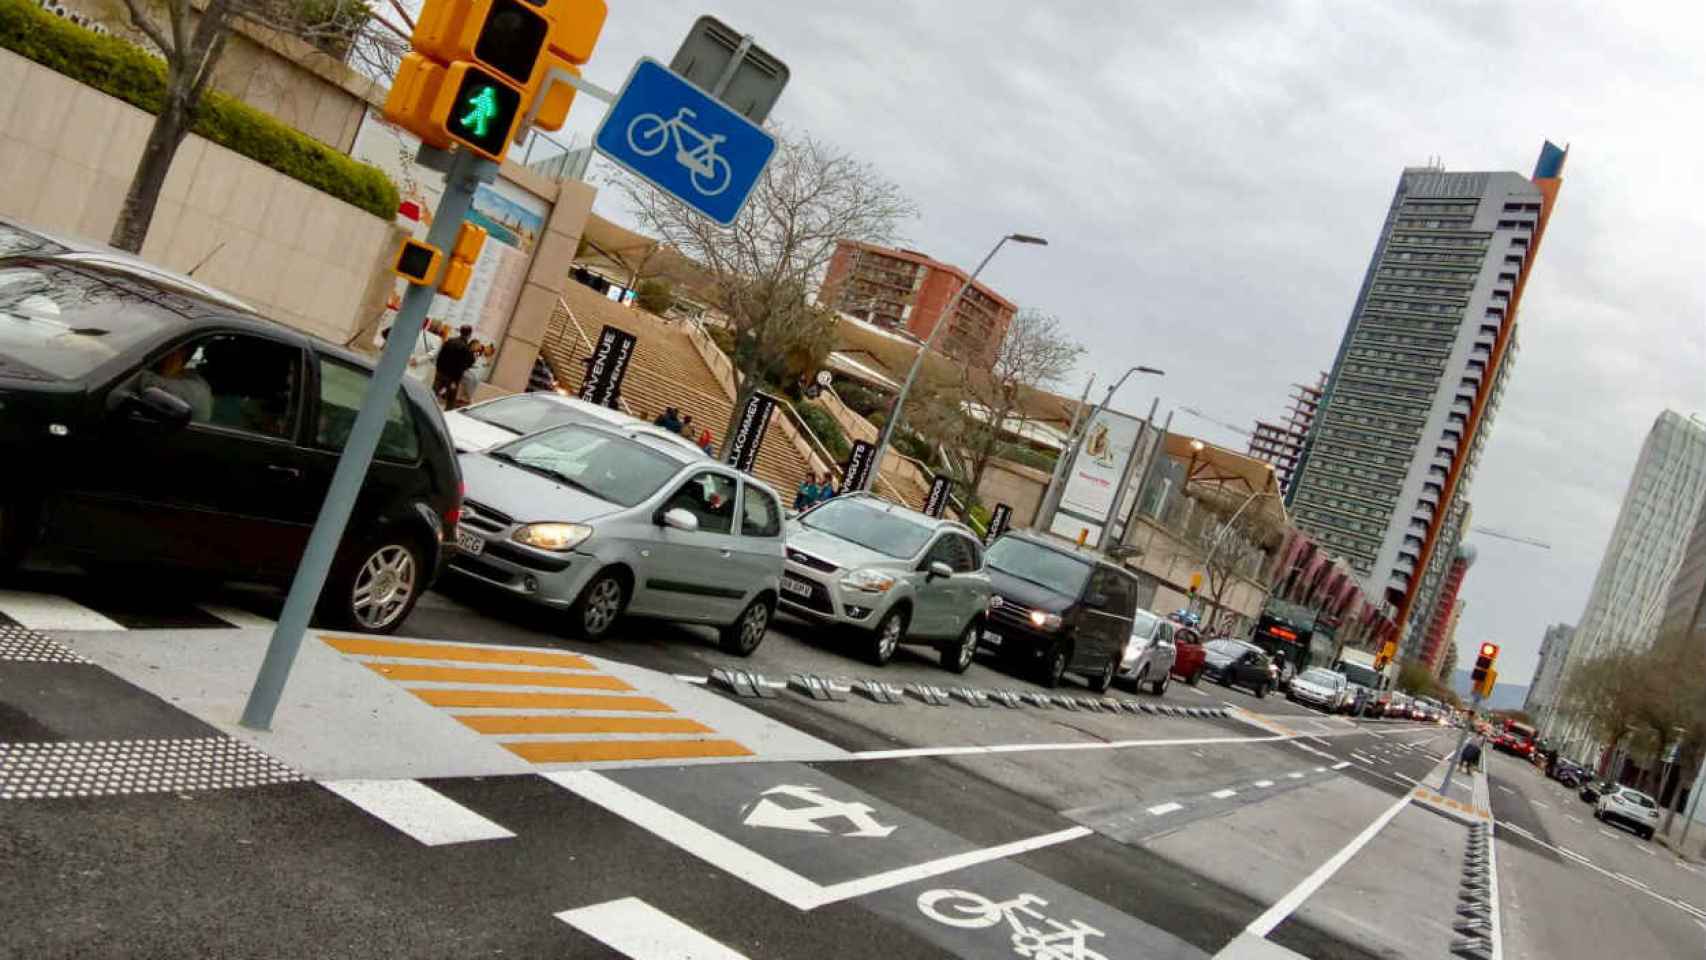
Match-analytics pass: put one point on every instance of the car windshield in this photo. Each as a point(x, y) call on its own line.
point(1362, 675)
point(61, 323)
point(870, 526)
point(609, 467)
point(1322, 676)
point(1059, 572)
point(1143, 623)
point(15, 240)
point(525, 413)
point(1230, 648)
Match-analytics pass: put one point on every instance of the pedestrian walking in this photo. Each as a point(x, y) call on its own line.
point(669, 420)
point(1471, 758)
point(455, 358)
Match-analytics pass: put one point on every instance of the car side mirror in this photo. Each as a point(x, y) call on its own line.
point(680, 519)
point(155, 405)
point(1097, 600)
point(939, 570)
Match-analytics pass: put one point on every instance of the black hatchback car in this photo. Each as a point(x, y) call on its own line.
point(1057, 610)
point(1239, 663)
point(151, 423)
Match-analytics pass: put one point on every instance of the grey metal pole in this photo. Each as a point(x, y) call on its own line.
point(1131, 470)
point(466, 170)
point(733, 67)
point(1693, 807)
point(942, 323)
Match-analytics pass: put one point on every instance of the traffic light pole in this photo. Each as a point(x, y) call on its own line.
point(465, 172)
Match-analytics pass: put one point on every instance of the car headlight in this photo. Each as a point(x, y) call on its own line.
point(1045, 621)
point(557, 537)
point(869, 581)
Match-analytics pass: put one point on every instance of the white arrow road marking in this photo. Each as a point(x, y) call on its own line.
point(769, 813)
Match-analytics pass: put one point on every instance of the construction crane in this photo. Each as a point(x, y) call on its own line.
point(1513, 537)
point(1193, 411)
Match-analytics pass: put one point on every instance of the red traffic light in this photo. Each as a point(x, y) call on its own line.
point(1489, 649)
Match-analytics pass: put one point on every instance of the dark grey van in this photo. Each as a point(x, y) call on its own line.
point(1054, 609)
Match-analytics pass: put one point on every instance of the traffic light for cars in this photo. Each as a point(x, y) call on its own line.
point(1481, 678)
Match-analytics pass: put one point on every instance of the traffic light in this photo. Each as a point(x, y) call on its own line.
point(470, 240)
point(1481, 678)
point(417, 262)
point(476, 65)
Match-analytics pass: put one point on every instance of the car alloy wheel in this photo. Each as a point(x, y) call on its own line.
point(1059, 656)
point(887, 638)
point(958, 658)
point(744, 635)
point(1102, 681)
point(384, 587)
point(601, 606)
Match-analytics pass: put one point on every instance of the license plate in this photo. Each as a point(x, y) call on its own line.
point(798, 588)
point(992, 639)
point(470, 543)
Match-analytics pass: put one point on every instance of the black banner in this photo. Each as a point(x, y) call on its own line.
point(937, 500)
point(857, 469)
point(998, 520)
point(607, 366)
point(754, 421)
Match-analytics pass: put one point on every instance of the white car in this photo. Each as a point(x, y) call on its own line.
point(1149, 653)
point(1320, 688)
point(484, 425)
point(1629, 806)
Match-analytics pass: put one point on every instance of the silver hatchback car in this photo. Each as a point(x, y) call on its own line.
point(892, 574)
point(604, 521)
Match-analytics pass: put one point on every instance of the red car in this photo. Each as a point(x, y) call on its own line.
point(1187, 655)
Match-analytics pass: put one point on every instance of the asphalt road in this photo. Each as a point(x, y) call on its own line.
point(948, 831)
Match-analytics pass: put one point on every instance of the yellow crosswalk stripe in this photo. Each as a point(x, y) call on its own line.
point(540, 701)
point(578, 724)
point(370, 647)
point(521, 678)
point(586, 751)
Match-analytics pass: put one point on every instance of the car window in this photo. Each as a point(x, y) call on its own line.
point(342, 388)
point(605, 465)
point(973, 552)
point(1640, 799)
point(233, 381)
point(1144, 623)
point(527, 413)
point(870, 526)
point(944, 550)
point(61, 323)
point(760, 516)
point(1053, 570)
point(710, 497)
point(1164, 635)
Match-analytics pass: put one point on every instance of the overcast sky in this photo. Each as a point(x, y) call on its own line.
point(1212, 178)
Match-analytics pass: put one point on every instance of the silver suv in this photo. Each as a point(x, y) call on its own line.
point(604, 521)
point(894, 575)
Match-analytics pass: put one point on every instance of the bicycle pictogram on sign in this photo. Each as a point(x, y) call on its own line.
point(650, 133)
point(973, 911)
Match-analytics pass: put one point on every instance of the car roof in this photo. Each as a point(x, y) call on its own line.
point(60, 247)
point(662, 441)
point(889, 506)
point(1061, 548)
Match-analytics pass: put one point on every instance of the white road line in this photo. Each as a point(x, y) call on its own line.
point(847, 889)
point(417, 810)
point(1294, 775)
point(1631, 881)
point(1196, 691)
point(1320, 769)
point(1165, 808)
point(639, 930)
point(1542, 804)
point(1223, 794)
point(1607, 833)
point(46, 611)
point(238, 617)
point(1647, 850)
point(1271, 917)
point(1043, 747)
point(1507, 789)
point(1359, 758)
point(1572, 818)
point(1342, 764)
point(684, 678)
point(1262, 783)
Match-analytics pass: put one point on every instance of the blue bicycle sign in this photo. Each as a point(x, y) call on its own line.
point(673, 135)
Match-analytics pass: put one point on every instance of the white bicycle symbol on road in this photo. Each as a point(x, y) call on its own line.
point(972, 911)
point(650, 133)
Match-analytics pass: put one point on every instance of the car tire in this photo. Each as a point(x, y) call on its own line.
point(1054, 664)
point(1261, 691)
point(374, 587)
point(882, 642)
point(743, 636)
point(958, 656)
point(1196, 678)
point(1102, 681)
point(595, 613)
point(1159, 687)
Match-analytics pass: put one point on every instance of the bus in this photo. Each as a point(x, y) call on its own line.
point(1516, 739)
point(1287, 632)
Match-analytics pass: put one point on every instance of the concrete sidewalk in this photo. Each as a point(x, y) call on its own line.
point(365, 707)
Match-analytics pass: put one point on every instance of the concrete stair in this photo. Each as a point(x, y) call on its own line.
point(666, 371)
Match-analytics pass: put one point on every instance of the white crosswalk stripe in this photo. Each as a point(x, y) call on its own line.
point(47, 611)
point(418, 810)
point(636, 929)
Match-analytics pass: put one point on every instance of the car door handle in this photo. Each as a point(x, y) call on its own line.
point(288, 473)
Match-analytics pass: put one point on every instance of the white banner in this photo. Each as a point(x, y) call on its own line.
point(1109, 443)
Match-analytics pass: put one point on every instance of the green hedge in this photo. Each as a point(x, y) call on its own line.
point(828, 431)
point(121, 69)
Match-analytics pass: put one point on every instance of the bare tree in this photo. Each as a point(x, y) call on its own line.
point(1227, 550)
point(765, 267)
point(1035, 355)
point(192, 40)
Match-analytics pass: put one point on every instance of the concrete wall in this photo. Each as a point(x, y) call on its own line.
point(546, 276)
point(1016, 485)
point(297, 255)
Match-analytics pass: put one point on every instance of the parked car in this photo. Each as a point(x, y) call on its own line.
point(1630, 807)
point(605, 521)
point(1241, 663)
point(1055, 610)
point(1568, 773)
point(890, 574)
point(486, 424)
point(1150, 653)
point(1358, 699)
point(1318, 687)
point(167, 428)
point(1188, 655)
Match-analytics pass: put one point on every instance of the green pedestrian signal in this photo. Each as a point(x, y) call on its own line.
point(478, 109)
point(481, 109)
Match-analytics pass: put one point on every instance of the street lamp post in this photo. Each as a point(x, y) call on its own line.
point(942, 323)
point(1051, 497)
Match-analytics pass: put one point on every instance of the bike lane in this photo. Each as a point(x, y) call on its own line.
point(811, 840)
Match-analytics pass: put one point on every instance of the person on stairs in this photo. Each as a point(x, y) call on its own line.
point(807, 494)
point(669, 420)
